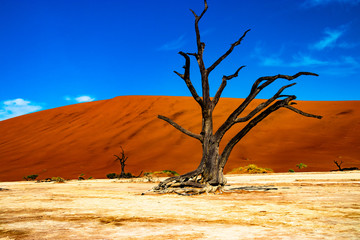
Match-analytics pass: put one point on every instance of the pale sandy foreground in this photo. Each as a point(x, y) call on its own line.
point(276, 206)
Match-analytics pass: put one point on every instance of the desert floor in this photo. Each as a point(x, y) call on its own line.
point(271, 206)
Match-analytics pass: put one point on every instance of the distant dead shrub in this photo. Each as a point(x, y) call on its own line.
point(124, 175)
point(111, 175)
point(251, 168)
point(31, 177)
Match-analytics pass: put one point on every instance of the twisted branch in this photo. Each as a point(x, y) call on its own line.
point(217, 62)
point(255, 90)
point(223, 85)
point(186, 78)
point(181, 129)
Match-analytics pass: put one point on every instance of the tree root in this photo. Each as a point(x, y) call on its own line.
point(188, 184)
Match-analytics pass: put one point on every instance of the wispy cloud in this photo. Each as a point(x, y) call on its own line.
point(348, 45)
point(80, 99)
point(266, 60)
point(272, 61)
point(315, 3)
point(301, 60)
point(298, 60)
point(343, 65)
point(329, 41)
point(174, 44)
point(17, 107)
point(278, 60)
point(329, 63)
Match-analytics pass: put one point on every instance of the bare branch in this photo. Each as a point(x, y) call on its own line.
point(277, 105)
point(180, 75)
point(303, 113)
point(200, 45)
point(199, 57)
point(255, 90)
point(181, 129)
point(187, 65)
point(228, 148)
point(234, 75)
point(120, 159)
point(270, 79)
point(203, 12)
point(267, 103)
point(123, 158)
point(193, 54)
point(217, 62)
point(186, 78)
point(223, 85)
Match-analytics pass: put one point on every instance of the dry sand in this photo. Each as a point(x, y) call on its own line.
point(82, 138)
point(274, 206)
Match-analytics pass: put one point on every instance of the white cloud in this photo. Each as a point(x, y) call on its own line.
point(80, 99)
point(84, 99)
point(173, 45)
point(17, 107)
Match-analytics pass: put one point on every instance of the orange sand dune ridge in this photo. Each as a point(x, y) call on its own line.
point(82, 138)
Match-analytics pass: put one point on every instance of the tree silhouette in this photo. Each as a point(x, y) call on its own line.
point(122, 161)
point(209, 177)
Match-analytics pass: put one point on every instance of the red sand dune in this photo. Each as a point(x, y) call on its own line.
point(82, 138)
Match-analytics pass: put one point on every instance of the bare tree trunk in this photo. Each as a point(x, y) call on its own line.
point(122, 174)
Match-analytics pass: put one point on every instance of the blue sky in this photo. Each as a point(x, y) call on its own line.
point(56, 53)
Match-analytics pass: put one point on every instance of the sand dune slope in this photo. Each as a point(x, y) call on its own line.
point(82, 138)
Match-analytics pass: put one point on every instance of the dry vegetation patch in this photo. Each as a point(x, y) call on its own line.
point(251, 168)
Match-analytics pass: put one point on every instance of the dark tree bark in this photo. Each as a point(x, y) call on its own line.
point(209, 177)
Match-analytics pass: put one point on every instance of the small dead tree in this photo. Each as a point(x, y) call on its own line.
point(209, 177)
point(338, 165)
point(122, 161)
point(344, 169)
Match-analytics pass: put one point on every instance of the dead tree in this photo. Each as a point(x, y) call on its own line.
point(122, 161)
point(209, 177)
point(338, 165)
point(344, 169)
